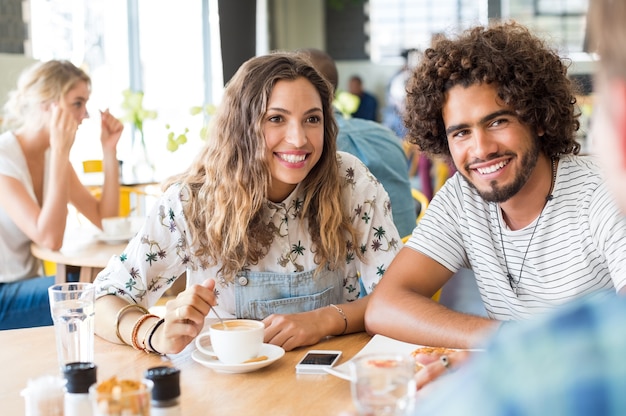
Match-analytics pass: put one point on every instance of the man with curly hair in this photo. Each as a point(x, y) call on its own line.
point(530, 217)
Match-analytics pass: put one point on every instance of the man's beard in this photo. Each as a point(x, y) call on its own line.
point(503, 193)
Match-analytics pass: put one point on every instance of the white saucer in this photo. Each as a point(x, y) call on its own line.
point(273, 353)
point(115, 239)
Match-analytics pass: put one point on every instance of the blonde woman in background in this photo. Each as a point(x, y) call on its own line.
point(269, 222)
point(37, 182)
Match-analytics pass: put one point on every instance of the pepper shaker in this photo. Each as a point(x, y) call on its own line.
point(80, 376)
point(166, 390)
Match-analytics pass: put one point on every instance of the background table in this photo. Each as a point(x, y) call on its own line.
point(90, 258)
point(82, 250)
point(276, 389)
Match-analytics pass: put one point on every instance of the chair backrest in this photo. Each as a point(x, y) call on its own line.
point(134, 199)
point(422, 203)
point(442, 173)
point(92, 166)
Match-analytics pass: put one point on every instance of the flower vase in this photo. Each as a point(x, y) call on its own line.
point(142, 167)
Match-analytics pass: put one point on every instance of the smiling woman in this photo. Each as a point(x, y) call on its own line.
point(294, 134)
point(309, 224)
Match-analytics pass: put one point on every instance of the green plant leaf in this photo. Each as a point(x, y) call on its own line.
point(346, 103)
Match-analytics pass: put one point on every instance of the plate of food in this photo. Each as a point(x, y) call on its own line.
point(382, 344)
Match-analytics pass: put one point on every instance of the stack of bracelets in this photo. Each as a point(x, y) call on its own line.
point(146, 343)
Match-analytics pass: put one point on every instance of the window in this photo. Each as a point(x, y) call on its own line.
point(561, 21)
point(397, 25)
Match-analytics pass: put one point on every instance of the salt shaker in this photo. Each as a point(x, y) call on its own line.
point(44, 396)
point(80, 376)
point(166, 390)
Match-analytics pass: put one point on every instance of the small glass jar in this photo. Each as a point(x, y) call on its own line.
point(127, 397)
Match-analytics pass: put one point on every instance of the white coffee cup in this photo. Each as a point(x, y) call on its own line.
point(233, 342)
point(116, 226)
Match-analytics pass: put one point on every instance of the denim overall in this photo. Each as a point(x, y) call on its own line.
point(259, 294)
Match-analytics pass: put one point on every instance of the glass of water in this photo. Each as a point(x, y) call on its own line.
point(72, 308)
point(383, 384)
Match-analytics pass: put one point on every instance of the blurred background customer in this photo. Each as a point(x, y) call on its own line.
point(376, 146)
point(41, 119)
point(368, 104)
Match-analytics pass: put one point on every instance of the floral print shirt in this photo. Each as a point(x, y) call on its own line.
point(162, 251)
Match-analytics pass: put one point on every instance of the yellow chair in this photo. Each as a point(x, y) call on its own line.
point(442, 173)
point(131, 197)
point(412, 154)
point(89, 166)
point(439, 173)
point(423, 205)
point(422, 200)
point(133, 200)
point(92, 166)
point(49, 268)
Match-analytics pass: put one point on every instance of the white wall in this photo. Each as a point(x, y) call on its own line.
point(11, 65)
point(300, 24)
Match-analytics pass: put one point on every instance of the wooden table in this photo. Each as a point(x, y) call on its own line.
point(81, 249)
point(276, 389)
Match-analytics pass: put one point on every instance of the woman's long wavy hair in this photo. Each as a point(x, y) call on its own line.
point(529, 77)
point(40, 84)
point(229, 179)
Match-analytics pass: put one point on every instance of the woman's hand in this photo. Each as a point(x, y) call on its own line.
point(184, 317)
point(293, 330)
point(111, 130)
point(63, 127)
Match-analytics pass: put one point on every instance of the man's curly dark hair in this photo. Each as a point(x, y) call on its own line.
point(529, 77)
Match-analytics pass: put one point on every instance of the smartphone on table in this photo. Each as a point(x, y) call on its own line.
point(316, 361)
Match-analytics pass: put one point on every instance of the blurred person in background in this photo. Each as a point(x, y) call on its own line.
point(368, 104)
point(41, 117)
point(376, 146)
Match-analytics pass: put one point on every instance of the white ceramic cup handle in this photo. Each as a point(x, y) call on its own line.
point(201, 347)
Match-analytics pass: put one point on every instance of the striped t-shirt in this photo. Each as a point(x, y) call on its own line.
point(578, 247)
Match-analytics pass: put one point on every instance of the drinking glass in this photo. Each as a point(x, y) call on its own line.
point(72, 308)
point(383, 384)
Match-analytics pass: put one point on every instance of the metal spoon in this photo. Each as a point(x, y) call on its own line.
point(218, 317)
